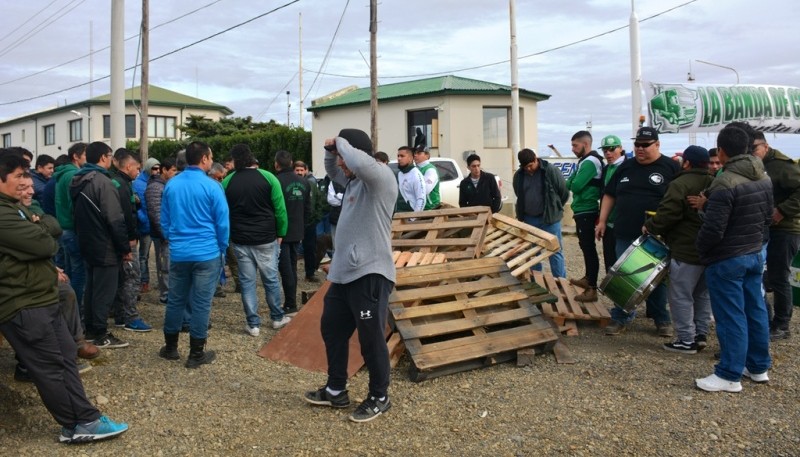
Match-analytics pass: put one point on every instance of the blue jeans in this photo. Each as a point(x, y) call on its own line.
point(656, 301)
point(191, 289)
point(75, 268)
point(260, 259)
point(557, 266)
point(741, 315)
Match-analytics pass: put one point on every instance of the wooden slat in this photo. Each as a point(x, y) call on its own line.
point(523, 230)
point(458, 325)
point(424, 274)
point(401, 312)
point(534, 325)
point(451, 289)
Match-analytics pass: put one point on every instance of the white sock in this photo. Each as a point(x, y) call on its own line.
point(333, 392)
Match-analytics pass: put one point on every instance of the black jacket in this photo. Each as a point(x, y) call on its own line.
point(486, 193)
point(128, 201)
point(298, 203)
point(554, 189)
point(152, 197)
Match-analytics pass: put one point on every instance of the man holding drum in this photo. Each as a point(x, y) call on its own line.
point(637, 187)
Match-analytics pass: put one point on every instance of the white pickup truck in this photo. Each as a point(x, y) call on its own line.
point(450, 176)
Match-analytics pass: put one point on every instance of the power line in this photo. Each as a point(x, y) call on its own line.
point(327, 52)
point(39, 27)
point(27, 20)
point(155, 58)
point(107, 47)
point(281, 92)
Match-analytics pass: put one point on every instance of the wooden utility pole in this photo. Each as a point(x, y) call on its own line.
point(145, 86)
point(373, 72)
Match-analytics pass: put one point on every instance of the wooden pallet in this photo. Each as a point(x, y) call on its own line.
point(566, 307)
point(464, 315)
point(519, 244)
point(456, 232)
point(403, 259)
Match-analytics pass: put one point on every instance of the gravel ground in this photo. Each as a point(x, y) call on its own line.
point(624, 396)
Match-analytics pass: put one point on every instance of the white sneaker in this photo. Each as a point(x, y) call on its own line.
point(281, 323)
point(760, 378)
point(253, 331)
point(714, 383)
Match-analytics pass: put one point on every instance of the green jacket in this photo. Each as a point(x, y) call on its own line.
point(608, 172)
point(434, 199)
point(676, 221)
point(28, 277)
point(555, 191)
point(63, 177)
point(585, 184)
point(785, 176)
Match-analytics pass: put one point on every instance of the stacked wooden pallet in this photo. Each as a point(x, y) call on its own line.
point(565, 310)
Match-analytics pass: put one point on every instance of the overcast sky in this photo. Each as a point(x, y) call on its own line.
point(250, 68)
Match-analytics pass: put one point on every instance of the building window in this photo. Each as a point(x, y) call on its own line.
point(130, 126)
point(423, 128)
point(160, 127)
point(6, 140)
point(495, 127)
point(76, 130)
point(49, 134)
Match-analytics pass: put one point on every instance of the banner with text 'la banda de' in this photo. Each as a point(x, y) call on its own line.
point(688, 108)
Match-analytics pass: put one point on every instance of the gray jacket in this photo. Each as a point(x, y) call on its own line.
point(363, 233)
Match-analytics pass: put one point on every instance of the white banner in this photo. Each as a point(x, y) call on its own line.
point(688, 108)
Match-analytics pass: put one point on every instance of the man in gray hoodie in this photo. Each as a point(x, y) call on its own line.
point(362, 274)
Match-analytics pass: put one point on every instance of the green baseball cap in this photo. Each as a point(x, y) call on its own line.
point(611, 141)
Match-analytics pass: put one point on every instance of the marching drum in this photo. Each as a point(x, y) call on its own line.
point(637, 273)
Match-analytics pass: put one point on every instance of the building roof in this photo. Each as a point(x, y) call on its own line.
point(441, 85)
point(157, 96)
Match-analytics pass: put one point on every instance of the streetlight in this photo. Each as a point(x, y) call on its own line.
point(288, 108)
point(718, 65)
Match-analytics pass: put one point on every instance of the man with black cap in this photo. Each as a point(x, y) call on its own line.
point(637, 187)
point(678, 223)
point(362, 274)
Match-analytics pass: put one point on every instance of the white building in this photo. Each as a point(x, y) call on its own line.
point(53, 131)
point(455, 114)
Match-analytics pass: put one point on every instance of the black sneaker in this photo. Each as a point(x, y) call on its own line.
point(322, 397)
point(21, 374)
point(776, 334)
point(110, 341)
point(681, 347)
point(701, 341)
point(370, 409)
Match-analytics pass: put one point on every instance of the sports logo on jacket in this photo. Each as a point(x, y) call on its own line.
point(656, 179)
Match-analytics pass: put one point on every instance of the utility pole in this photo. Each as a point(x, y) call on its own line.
point(91, 62)
point(515, 146)
point(636, 70)
point(145, 86)
point(300, 69)
point(373, 72)
point(117, 74)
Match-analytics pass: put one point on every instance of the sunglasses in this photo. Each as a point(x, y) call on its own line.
point(644, 145)
point(609, 148)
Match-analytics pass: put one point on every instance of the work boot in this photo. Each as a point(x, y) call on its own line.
point(87, 350)
point(589, 294)
point(197, 353)
point(170, 349)
point(583, 283)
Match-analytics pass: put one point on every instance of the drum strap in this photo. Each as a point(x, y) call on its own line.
point(641, 269)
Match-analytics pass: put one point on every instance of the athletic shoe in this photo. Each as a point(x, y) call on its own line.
point(681, 347)
point(761, 378)
point(110, 341)
point(119, 323)
point(138, 325)
point(291, 312)
point(776, 334)
point(101, 429)
point(664, 330)
point(370, 409)
point(21, 374)
point(714, 383)
point(253, 331)
point(615, 328)
point(162, 300)
point(83, 367)
point(281, 323)
point(701, 341)
point(322, 397)
point(312, 278)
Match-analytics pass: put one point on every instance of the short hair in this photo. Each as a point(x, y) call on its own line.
point(300, 163)
point(180, 160)
point(712, 152)
point(526, 156)
point(734, 141)
point(216, 167)
point(242, 156)
point(95, 151)
point(422, 149)
point(406, 148)
point(473, 157)
point(284, 159)
point(44, 159)
point(759, 136)
point(749, 130)
point(76, 149)
point(123, 156)
point(61, 160)
point(11, 162)
point(195, 151)
point(168, 163)
point(581, 134)
point(381, 156)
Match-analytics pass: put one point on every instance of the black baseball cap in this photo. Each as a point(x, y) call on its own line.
point(647, 134)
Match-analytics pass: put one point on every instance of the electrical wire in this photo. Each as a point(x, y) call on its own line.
point(262, 113)
point(27, 20)
point(327, 52)
point(36, 29)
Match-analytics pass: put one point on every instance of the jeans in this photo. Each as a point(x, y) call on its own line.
point(144, 258)
point(656, 301)
point(740, 314)
point(259, 259)
point(557, 265)
point(191, 289)
point(75, 267)
point(287, 265)
point(780, 252)
point(688, 300)
point(584, 226)
point(162, 267)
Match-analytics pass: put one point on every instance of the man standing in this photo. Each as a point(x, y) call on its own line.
point(678, 223)
point(30, 318)
point(585, 183)
point(637, 187)
point(258, 223)
point(153, 195)
point(195, 223)
point(784, 233)
point(362, 275)
point(103, 239)
point(74, 266)
point(422, 157)
point(151, 166)
point(310, 261)
point(410, 182)
point(541, 194)
point(737, 215)
point(713, 163)
point(479, 188)
point(298, 210)
point(45, 166)
point(611, 146)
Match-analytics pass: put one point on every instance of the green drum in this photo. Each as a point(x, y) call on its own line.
point(637, 273)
